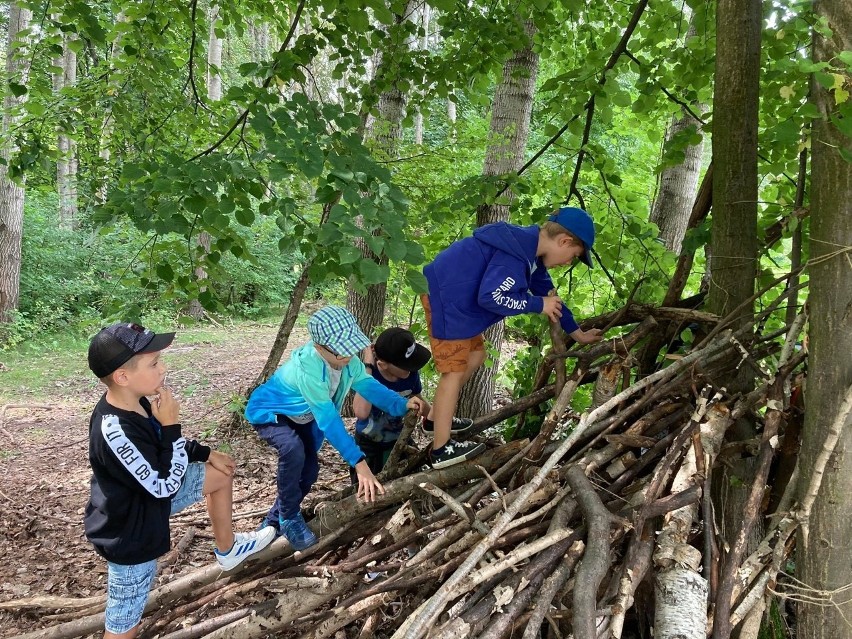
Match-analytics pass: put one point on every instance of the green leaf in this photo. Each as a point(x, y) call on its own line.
point(371, 273)
point(444, 5)
point(196, 205)
point(36, 108)
point(349, 254)
point(245, 216)
point(395, 250)
point(17, 89)
point(133, 172)
point(344, 174)
point(621, 98)
point(165, 272)
point(417, 281)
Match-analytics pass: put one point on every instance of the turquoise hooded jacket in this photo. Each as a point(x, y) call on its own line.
point(302, 385)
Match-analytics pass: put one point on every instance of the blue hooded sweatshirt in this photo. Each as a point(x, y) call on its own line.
point(303, 385)
point(479, 280)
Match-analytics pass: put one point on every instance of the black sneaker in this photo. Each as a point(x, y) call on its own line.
point(460, 425)
point(455, 453)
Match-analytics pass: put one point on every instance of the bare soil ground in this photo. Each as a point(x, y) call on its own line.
point(45, 471)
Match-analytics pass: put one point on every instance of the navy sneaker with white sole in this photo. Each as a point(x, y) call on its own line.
point(454, 452)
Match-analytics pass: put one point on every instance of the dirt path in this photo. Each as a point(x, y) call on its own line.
point(45, 472)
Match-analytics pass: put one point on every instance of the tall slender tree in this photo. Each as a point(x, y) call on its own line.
point(11, 193)
point(425, 15)
point(825, 556)
point(509, 131)
point(108, 119)
point(733, 241)
point(679, 183)
point(66, 162)
point(385, 131)
point(214, 94)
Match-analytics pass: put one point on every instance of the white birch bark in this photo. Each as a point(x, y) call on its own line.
point(108, 126)
point(11, 194)
point(424, 45)
point(681, 602)
point(214, 58)
point(214, 94)
point(681, 591)
point(679, 184)
point(66, 162)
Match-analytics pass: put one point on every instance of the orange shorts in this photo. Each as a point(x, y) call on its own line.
point(450, 355)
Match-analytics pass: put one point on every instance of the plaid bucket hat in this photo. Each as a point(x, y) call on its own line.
point(117, 343)
point(336, 329)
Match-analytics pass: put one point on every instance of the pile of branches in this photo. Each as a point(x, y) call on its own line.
point(600, 526)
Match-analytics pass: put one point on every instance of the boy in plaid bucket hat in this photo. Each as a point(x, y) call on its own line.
point(299, 407)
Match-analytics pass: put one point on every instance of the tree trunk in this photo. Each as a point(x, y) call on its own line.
point(824, 557)
point(66, 162)
point(678, 185)
point(108, 125)
point(214, 58)
point(11, 194)
point(214, 94)
point(510, 124)
point(386, 131)
point(733, 241)
point(424, 44)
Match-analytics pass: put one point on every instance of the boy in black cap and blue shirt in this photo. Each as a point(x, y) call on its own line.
point(394, 361)
point(143, 471)
point(299, 406)
point(501, 270)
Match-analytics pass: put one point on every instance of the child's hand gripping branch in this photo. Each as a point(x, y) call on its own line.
point(369, 488)
point(587, 337)
point(552, 308)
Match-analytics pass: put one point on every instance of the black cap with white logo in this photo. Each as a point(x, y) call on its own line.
point(116, 344)
point(397, 346)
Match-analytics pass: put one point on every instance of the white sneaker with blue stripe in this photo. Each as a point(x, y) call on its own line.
point(245, 545)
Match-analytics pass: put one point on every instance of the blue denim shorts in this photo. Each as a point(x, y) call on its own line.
point(191, 491)
point(128, 585)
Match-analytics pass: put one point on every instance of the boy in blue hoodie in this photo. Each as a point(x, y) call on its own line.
point(299, 406)
point(501, 270)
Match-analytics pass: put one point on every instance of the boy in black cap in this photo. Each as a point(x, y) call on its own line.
point(394, 361)
point(143, 471)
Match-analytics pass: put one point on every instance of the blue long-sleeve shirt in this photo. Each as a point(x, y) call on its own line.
point(479, 280)
point(303, 385)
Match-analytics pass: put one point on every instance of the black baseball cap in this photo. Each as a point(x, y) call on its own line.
point(397, 346)
point(116, 344)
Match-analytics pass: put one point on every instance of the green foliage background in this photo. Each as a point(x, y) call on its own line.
point(277, 171)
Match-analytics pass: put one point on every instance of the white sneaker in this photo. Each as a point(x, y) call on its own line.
point(245, 545)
